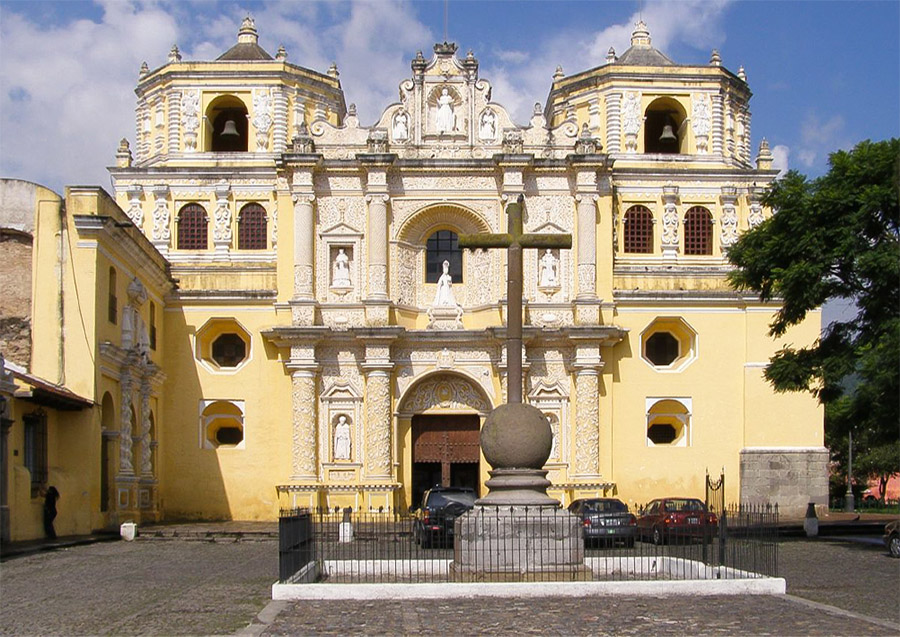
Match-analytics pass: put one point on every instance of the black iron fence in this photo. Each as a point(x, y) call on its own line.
point(523, 544)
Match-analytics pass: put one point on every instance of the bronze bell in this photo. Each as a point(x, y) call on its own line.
point(668, 135)
point(230, 129)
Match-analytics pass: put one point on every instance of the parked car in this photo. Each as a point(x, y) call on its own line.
point(674, 519)
point(433, 523)
point(605, 520)
point(892, 537)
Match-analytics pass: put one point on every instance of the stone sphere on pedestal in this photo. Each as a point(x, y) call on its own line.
point(516, 436)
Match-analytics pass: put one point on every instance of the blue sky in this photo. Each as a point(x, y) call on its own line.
point(825, 75)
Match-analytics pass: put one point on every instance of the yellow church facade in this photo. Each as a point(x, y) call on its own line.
point(272, 308)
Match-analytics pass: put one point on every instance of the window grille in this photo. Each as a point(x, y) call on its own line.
point(113, 300)
point(192, 222)
point(697, 231)
point(442, 246)
point(152, 329)
point(638, 230)
point(252, 228)
point(36, 450)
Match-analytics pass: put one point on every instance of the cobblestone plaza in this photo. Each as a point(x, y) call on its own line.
point(184, 587)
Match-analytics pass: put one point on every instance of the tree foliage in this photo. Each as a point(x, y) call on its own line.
point(835, 237)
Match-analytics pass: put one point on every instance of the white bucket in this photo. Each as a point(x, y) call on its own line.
point(128, 531)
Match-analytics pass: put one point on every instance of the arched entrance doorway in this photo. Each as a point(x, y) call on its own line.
point(444, 412)
point(445, 451)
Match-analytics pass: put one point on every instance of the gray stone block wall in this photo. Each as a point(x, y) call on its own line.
point(790, 477)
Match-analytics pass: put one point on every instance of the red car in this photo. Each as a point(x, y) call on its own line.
point(668, 519)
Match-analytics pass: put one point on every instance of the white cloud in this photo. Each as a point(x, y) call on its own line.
point(820, 137)
point(781, 155)
point(67, 91)
point(76, 83)
point(694, 23)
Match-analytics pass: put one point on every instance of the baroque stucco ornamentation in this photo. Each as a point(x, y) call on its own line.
point(190, 118)
point(262, 117)
point(146, 450)
point(303, 398)
point(587, 423)
point(222, 215)
point(125, 459)
point(670, 220)
point(729, 233)
point(135, 212)
point(407, 276)
point(161, 230)
point(378, 423)
point(701, 121)
point(444, 392)
point(631, 120)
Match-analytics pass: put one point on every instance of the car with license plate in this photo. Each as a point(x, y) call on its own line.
point(434, 519)
point(676, 520)
point(605, 521)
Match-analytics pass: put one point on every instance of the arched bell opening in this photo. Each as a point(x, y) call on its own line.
point(665, 127)
point(227, 130)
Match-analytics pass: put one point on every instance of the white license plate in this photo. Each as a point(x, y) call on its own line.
point(693, 520)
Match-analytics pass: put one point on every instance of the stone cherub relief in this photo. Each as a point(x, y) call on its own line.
point(400, 131)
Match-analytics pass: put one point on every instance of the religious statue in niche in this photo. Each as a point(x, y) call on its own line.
point(342, 439)
point(548, 270)
point(445, 122)
point(487, 129)
point(401, 126)
point(445, 312)
point(341, 271)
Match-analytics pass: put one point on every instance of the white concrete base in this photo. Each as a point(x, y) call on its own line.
point(450, 590)
point(693, 578)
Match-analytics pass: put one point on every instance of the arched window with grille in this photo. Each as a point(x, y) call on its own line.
point(252, 227)
point(192, 231)
point(442, 246)
point(698, 231)
point(638, 233)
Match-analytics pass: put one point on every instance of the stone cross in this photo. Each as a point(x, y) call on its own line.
point(514, 240)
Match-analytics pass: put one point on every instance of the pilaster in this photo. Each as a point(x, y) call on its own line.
point(670, 234)
point(378, 458)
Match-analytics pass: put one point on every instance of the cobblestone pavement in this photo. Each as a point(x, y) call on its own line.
point(163, 587)
point(138, 588)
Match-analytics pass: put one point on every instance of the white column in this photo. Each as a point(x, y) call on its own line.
point(378, 423)
point(304, 246)
point(174, 130)
point(280, 125)
point(304, 402)
point(587, 246)
point(378, 245)
point(613, 122)
point(126, 465)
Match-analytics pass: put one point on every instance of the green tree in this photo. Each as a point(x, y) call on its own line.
point(835, 237)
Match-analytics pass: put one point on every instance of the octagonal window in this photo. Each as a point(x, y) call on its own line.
point(223, 344)
point(229, 350)
point(668, 344)
point(662, 348)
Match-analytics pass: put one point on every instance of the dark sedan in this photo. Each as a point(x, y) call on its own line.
point(676, 519)
point(605, 520)
point(434, 520)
